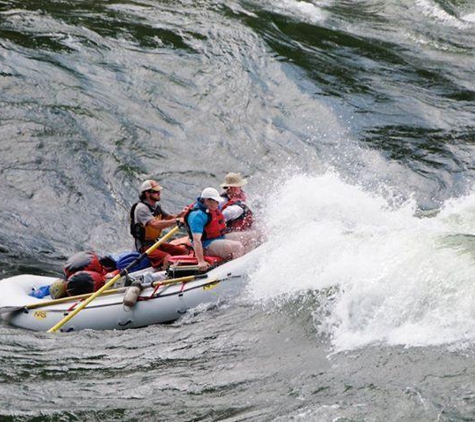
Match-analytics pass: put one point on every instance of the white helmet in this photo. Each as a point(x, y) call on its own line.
point(211, 193)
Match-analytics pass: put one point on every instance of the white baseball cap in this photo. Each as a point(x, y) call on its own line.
point(211, 193)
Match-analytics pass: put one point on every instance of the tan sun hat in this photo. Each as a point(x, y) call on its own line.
point(233, 180)
point(150, 185)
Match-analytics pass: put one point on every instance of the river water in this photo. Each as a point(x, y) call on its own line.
point(352, 120)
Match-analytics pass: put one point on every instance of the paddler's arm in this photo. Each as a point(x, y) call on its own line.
point(183, 212)
point(175, 216)
point(166, 216)
point(198, 248)
point(161, 224)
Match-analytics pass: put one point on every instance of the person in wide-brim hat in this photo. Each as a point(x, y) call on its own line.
point(233, 180)
point(233, 183)
point(239, 217)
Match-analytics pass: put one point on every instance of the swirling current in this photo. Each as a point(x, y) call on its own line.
point(353, 121)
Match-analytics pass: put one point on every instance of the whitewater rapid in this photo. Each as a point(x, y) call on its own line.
point(388, 273)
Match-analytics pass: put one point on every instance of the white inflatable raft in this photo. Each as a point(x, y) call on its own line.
point(165, 304)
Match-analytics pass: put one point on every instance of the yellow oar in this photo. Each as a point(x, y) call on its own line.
point(112, 281)
point(185, 279)
point(8, 309)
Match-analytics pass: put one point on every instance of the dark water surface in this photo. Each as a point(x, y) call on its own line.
point(353, 121)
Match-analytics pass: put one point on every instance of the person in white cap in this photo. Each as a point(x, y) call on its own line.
point(206, 226)
point(148, 219)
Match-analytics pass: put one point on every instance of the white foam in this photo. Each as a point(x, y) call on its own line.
point(303, 10)
point(433, 10)
point(400, 279)
point(469, 17)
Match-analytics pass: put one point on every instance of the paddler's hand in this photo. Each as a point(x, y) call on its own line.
point(203, 265)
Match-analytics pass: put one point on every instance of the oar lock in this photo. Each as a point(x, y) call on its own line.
point(136, 285)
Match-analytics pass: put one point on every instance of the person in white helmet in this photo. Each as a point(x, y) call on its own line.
point(148, 219)
point(206, 227)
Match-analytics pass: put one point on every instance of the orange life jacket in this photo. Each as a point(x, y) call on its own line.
point(147, 232)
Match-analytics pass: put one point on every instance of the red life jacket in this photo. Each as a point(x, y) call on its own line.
point(244, 221)
point(216, 225)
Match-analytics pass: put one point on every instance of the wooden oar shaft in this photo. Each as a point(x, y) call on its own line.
point(179, 280)
point(71, 299)
point(106, 292)
point(111, 281)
